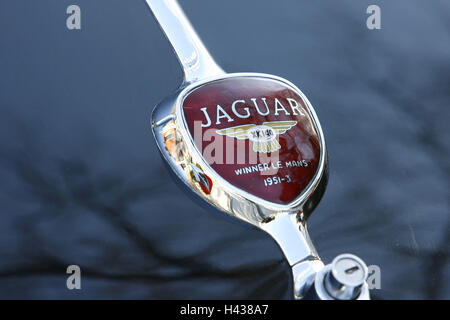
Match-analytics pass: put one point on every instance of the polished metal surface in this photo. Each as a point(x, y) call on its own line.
point(304, 275)
point(194, 58)
point(281, 221)
point(169, 128)
point(292, 236)
point(343, 279)
point(348, 275)
point(286, 223)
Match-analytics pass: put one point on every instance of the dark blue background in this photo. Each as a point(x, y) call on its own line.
point(81, 180)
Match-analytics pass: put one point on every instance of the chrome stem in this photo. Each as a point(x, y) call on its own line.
point(194, 58)
point(291, 234)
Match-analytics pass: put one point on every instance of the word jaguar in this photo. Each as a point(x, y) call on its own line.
point(241, 109)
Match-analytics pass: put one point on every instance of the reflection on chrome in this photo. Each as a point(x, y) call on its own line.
point(281, 207)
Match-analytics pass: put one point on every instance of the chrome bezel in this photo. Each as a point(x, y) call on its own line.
point(224, 195)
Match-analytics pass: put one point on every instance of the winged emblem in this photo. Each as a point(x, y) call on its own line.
point(263, 137)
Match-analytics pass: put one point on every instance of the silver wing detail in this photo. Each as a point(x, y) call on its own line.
point(238, 132)
point(280, 127)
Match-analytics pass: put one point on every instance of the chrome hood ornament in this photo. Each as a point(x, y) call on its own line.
point(251, 145)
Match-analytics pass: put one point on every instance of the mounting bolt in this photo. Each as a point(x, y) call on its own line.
point(343, 279)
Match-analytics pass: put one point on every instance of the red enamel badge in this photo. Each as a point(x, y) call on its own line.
point(255, 133)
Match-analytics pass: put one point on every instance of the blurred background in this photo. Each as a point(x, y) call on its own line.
point(81, 180)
